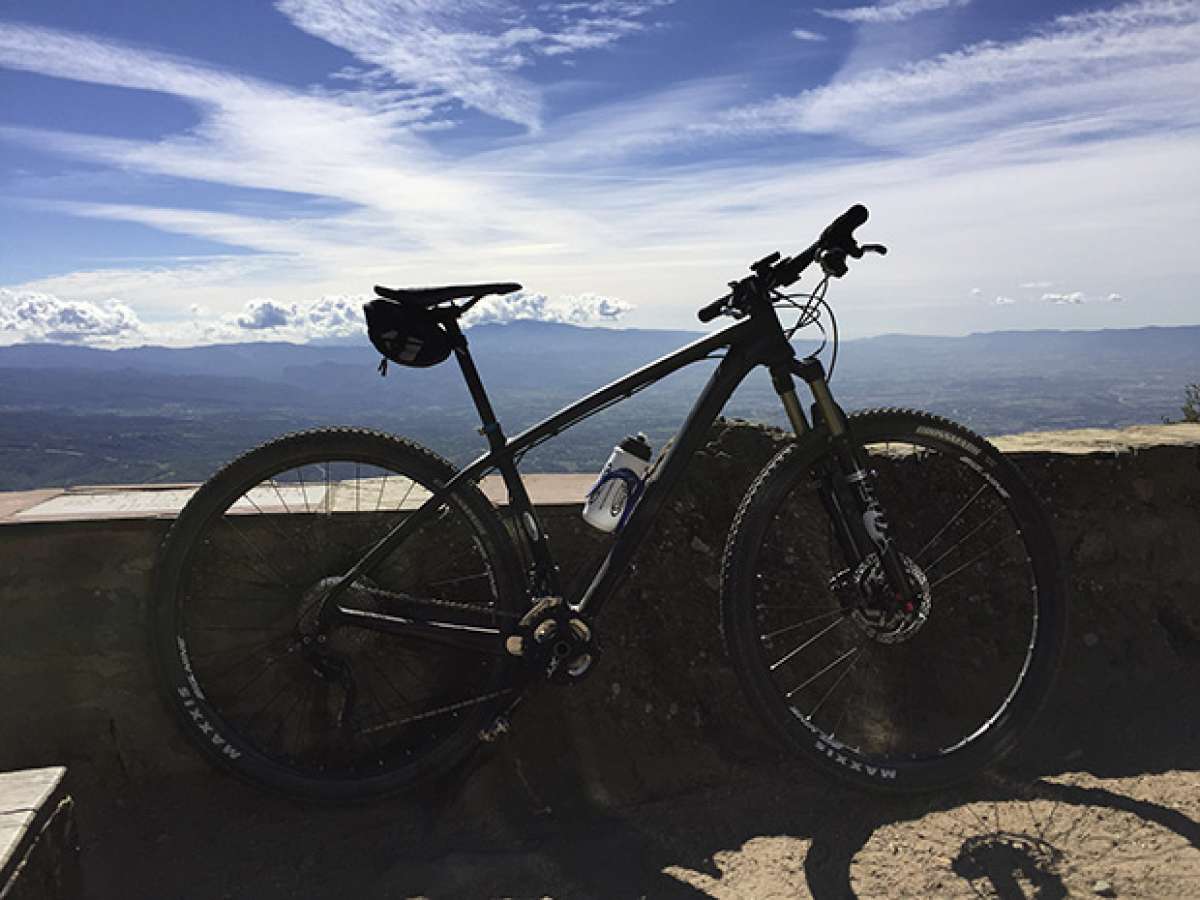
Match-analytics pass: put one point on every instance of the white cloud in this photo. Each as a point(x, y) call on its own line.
point(466, 49)
point(803, 34)
point(266, 313)
point(1115, 298)
point(36, 316)
point(1074, 298)
point(330, 316)
point(584, 309)
point(1131, 69)
point(1001, 300)
point(1035, 285)
point(889, 11)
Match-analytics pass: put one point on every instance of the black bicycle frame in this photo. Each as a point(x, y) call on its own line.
point(755, 340)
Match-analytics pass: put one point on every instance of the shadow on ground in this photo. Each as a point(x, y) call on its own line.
point(1107, 814)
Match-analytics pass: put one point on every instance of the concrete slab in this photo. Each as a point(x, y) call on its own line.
point(13, 502)
point(87, 504)
point(28, 799)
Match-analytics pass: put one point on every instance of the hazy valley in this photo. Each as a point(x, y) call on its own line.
point(76, 415)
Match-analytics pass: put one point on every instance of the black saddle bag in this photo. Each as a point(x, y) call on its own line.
point(410, 337)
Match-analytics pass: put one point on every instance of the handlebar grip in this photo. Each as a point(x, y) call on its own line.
point(712, 310)
point(841, 229)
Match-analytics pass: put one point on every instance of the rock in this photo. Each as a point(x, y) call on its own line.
point(1103, 889)
point(1091, 639)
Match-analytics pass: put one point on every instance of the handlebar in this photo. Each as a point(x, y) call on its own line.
point(831, 249)
point(712, 310)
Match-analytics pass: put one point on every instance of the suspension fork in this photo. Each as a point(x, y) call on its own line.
point(848, 490)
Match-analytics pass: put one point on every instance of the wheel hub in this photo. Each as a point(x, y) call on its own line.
point(876, 612)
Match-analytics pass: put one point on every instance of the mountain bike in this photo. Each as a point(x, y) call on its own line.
point(341, 613)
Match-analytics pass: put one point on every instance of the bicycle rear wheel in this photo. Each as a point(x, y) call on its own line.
point(355, 713)
point(909, 699)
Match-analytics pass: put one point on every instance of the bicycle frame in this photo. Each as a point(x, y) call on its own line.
point(755, 340)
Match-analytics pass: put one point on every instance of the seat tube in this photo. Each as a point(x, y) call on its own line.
point(545, 572)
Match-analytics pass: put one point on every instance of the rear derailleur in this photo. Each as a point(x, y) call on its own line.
point(554, 641)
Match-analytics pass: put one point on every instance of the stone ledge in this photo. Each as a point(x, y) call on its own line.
point(164, 501)
point(1101, 440)
point(38, 843)
point(102, 503)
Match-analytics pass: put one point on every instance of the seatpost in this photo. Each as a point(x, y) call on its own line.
point(490, 428)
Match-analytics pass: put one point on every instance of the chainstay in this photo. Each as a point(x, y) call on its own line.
point(441, 710)
point(449, 605)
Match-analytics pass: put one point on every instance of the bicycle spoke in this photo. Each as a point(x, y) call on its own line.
point(824, 631)
point(847, 655)
point(975, 559)
point(303, 488)
point(272, 661)
point(965, 538)
point(395, 690)
point(773, 634)
point(850, 668)
point(917, 556)
point(270, 569)
point(278, 494)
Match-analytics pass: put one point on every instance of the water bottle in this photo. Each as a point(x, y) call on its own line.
point(614, 494)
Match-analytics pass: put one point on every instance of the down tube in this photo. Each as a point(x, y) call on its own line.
point(728, 375)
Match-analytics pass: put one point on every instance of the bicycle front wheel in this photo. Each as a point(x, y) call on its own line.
point(351, 713)
point(901, 699)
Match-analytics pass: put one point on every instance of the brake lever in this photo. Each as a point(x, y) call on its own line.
point(833, 261)
point(873, 248)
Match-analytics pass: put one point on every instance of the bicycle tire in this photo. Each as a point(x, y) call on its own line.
point(376, 713)
point(982, 637)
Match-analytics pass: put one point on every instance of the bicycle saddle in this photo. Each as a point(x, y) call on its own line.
point(431, 296)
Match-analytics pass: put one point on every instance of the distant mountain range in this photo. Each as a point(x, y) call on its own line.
point(72, 414)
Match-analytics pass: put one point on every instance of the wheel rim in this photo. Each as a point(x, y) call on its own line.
point(352, 704)
point(913, 690)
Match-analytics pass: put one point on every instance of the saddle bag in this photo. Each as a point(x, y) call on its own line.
point(410, 337)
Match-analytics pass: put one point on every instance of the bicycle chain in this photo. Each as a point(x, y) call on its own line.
point(429, 714)
point(428, 601)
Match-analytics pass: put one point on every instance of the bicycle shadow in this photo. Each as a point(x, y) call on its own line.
point(1026, 831)
point(1007, 838)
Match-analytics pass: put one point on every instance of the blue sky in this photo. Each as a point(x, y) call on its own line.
point(205, 171)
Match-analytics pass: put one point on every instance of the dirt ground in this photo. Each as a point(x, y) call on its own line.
point(777, 836)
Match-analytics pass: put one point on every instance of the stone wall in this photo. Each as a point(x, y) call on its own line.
point(663, 714)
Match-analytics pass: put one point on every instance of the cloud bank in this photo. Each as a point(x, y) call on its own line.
point(584, 309)
point(37, 317)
